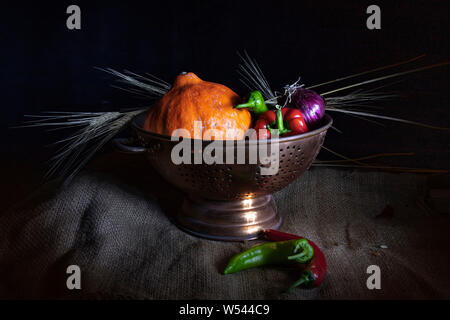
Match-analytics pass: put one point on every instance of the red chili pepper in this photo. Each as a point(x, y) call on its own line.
point(288, 121)
point(316, 270)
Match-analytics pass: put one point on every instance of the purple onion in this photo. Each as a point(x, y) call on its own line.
point(311, 105)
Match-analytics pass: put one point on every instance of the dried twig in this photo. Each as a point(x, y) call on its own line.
point(76, 150)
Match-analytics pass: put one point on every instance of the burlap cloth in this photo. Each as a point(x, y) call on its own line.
point(115, 225)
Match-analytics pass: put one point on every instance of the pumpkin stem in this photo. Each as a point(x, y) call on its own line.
point(185, 78)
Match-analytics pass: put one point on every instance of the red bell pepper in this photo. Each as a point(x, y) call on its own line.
point(315, 272)
point(288, 121)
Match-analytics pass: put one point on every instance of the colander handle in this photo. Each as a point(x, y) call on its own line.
point(125, 145)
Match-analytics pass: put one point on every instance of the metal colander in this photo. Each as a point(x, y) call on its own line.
point(229, 201)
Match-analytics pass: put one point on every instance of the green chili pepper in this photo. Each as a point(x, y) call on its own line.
point(255, 103)
point(272, 253)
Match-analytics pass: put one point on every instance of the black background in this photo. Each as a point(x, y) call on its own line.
point(45, 66)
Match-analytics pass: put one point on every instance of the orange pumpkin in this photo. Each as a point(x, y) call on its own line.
point(191, 99)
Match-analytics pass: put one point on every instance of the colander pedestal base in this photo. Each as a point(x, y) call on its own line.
point(233, 220)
